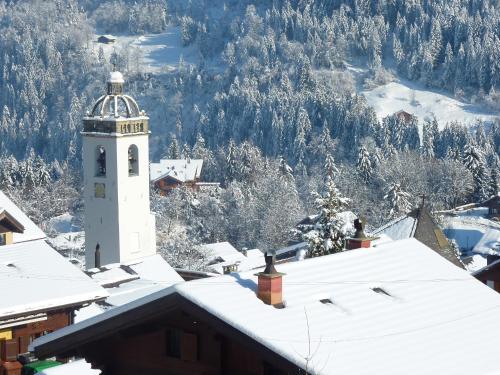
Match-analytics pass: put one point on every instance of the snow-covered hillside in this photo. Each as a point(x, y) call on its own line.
point(151, 53)
point(423, 103)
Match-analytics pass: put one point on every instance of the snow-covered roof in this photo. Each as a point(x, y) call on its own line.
point(182, 170)
point(79, 367)
point(489, 244)
point(398, 229)
point(34, 277)
point(224, 254)
point(31, 230)
point(419, 224)
point(130, 281)
point(395, 309)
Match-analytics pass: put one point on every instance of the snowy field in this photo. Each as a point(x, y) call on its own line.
point(418, 100)
point(152, 53)
point(472, 231)
point(415, 99)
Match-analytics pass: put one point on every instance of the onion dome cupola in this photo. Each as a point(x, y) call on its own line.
point(116, 112)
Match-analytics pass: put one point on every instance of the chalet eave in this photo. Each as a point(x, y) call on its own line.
point(79, 343)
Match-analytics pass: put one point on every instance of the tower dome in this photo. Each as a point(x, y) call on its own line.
point(115, 103)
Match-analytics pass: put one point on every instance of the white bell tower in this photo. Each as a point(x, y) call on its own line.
point(116, 179)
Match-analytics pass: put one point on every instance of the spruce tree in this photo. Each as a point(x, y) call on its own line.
point(398, 200)
point(327, 235)
point(364, 165)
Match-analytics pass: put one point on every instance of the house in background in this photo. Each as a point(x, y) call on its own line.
point(404, 116)
point(128, 281)
point(40, 289)
point(351, 307)
point(419, 224)
point(224, 258)
point(169, 174)
point(493, 205)
point(106, 39)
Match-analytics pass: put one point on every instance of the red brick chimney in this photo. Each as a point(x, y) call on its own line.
point(270, 286)
point(359, 240)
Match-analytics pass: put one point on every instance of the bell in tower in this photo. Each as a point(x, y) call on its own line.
point(116, 178)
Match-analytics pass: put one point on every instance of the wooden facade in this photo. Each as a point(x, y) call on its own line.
point(168, 183)
point(171, 336)
point(8, 226)
point(493, 205)
point(14, 339)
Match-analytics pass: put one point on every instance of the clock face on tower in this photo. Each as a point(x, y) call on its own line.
point(100, 190)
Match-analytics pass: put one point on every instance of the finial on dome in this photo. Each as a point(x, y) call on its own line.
point(115, 83)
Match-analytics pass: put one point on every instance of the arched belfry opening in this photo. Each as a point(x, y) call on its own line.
point(133, 161)
point(100, 169)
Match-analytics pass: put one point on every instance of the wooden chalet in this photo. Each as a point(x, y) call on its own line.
point(490, 275)
point(106, 39)
point(40, 290)
point(493, 205)
point(8, 226)
point(352, 307)
point(169, 174)
point(405, 116)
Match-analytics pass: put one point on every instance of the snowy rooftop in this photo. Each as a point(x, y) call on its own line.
point(489, 244)
point(224, 254)
point(180, 169)
point(396, 309)
point(34, 277)
point(398, 229)
point(128, 282)
point(31, 230)
point(419, 224)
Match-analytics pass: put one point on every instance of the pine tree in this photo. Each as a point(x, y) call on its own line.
point(399, 200)
point(327, 235)
point(364, 165)
point(330, 167)
point(473, 160)
point(173, 149)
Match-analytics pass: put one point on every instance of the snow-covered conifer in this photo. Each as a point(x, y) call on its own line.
point(364, 165)
point(398, 200)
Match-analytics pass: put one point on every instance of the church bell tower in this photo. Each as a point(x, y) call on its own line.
point(118, 221)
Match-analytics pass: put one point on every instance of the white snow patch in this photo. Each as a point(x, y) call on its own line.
point(151, 53)
point(79, 367)
point(423, 103)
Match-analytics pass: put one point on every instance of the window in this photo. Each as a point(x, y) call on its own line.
point(133, 161)
point(3, 241)
point(173, 342)
point(100, 161)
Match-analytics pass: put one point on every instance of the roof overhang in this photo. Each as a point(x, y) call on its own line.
point(9, 224)
point(75, 342)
